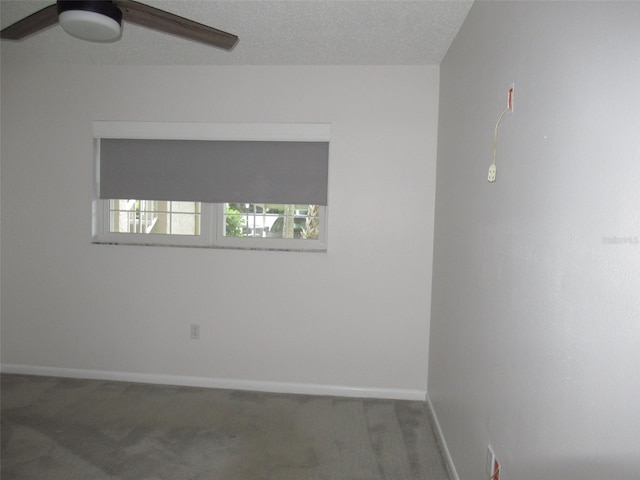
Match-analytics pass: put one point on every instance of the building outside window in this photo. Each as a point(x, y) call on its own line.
point(154, 217)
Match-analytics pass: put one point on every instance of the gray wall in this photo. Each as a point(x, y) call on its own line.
point(535, 333)
point(355, 318)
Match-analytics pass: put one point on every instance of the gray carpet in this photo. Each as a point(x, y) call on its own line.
point(55, 428)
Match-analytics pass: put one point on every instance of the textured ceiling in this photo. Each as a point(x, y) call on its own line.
point(272, 32)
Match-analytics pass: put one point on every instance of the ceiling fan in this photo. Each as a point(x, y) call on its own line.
point(101, 21)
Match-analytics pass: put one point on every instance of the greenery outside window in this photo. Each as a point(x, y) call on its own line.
point(272, 221)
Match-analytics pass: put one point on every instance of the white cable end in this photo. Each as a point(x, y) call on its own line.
point(492, 173)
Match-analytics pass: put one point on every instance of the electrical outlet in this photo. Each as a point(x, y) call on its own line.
point(195, 331)
point(492, 173)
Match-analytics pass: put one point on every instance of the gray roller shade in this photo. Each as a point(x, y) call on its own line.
point(215, 171)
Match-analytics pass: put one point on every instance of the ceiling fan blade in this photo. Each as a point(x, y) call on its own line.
point(163, 21)
point(32, 24)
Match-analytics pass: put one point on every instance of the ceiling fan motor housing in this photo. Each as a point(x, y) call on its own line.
point(96, 21)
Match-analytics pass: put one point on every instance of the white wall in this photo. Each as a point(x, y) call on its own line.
point(535, 330)
point(356, 316)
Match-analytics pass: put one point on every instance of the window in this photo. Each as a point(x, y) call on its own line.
point(272, 220)
point(272, 226)
point(152, 222)
point(152, 216)
point(250, 186)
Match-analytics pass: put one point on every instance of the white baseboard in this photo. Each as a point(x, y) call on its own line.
point(224, 383)
point(443, 443)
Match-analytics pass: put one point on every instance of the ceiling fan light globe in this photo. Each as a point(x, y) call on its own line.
point(91, 26)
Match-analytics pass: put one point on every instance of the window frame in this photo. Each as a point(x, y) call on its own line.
point(212, 223)
point(102, 233)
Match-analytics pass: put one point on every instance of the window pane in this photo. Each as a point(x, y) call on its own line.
point(154, 217)
point(272, 221)
point(185, 224)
